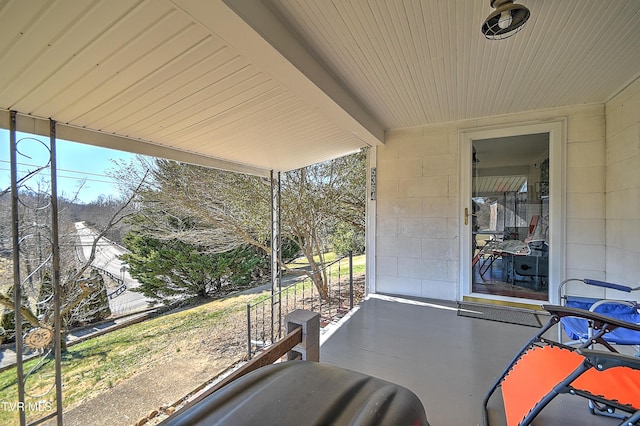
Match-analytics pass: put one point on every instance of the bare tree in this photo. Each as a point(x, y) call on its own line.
point(222, 210)
point(81, 287)
point(315, 200)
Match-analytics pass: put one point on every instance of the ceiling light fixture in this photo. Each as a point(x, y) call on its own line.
point(505, 21)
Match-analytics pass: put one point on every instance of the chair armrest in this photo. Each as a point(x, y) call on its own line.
point(612, 302)
point(598, 320)
point(604, 360)
point(595, 283)
point(605, 284)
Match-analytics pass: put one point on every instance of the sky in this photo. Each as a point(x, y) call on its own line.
point(76, 162)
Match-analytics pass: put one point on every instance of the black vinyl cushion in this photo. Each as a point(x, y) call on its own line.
point(305, 393)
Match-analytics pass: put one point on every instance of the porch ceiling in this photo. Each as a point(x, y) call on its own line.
point(280, 84)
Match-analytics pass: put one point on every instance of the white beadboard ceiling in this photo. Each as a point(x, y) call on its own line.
point(256, 85)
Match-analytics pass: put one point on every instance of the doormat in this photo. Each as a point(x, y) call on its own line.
point(506, 314)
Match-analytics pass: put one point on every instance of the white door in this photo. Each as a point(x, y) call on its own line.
point(512, 213)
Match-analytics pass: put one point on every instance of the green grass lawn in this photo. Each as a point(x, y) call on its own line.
point(96, 365)
point(358, 262)
point(91, 367)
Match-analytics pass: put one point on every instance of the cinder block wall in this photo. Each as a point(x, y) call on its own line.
point(585, 198)
point(417, 223)
point(417, 241)
point(623, 186)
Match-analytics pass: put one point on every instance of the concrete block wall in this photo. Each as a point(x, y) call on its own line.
point(585, 198)
point(417, 237)
point(623, 186)
point(417, 218)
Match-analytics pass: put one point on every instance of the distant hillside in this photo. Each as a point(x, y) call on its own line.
point(95, 214)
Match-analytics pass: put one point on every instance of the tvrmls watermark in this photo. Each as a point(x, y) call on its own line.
point(39, 406)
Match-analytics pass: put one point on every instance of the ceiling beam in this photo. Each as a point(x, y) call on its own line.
point(255, 32)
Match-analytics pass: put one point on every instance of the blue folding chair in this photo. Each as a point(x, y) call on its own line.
point(579, 330)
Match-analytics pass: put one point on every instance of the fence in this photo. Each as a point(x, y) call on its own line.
point(265, 316)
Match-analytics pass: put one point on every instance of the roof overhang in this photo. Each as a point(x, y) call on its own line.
point(200, 82)
point(262, 85)
point(41, 127)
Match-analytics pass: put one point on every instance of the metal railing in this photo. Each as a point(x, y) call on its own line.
point(265, 316)
point(122, 286)
point(301, 342)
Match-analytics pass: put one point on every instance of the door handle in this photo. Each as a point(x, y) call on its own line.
point(466, 215)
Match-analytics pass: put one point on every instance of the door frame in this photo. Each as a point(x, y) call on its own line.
point(557, 205)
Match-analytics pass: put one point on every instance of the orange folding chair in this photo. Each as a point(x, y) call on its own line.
point(544, 369)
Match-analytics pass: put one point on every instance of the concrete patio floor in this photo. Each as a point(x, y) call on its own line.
point(449, 362)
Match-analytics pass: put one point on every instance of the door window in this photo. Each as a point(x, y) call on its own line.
point(510, 216)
